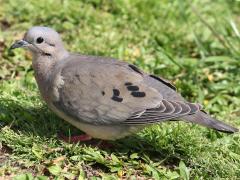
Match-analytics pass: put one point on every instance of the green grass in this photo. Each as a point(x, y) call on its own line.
point(195, 44)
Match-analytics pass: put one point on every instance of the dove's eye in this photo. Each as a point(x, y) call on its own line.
point(39, 40)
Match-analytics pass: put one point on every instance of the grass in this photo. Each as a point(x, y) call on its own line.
point(195, 44)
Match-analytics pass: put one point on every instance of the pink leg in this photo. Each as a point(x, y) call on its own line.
point(87, 139)
point(76, 139)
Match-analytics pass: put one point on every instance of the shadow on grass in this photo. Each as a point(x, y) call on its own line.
point(38, 121)
point(41, 122)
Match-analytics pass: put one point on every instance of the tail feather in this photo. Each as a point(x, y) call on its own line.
point(205, 120)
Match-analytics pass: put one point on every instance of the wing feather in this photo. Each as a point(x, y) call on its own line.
point(172, 110)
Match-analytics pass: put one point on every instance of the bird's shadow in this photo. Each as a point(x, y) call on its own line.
point(40, 121)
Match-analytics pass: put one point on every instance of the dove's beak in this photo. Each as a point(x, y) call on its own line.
point(18, 44)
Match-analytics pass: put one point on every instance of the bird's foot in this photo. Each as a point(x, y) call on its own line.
point(76, 139)
point(86, 139)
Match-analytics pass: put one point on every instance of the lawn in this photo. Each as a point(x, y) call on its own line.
point(194, 44)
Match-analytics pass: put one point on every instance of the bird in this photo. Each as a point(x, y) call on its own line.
point(104, 97)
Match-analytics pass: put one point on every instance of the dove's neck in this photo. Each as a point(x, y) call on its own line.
point(43, 66)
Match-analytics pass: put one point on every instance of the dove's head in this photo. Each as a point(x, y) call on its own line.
point(42, 41)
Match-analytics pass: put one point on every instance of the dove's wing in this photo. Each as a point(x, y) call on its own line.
point(104, 91)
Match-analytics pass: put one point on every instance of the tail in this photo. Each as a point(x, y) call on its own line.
point(205, 120)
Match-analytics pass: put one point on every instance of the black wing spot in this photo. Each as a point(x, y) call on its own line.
point(116, 92)
point(77, 76)
point(103, 93)
point(117, 99)
point(135, 68)
point(164, 82)
point(128, 84)
point(138, 94)
point(115, 96)
point(133, 88)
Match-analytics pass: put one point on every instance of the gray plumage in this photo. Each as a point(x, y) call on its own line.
point(106, 98)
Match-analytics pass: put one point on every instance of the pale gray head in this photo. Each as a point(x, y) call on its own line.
point(42, 41)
